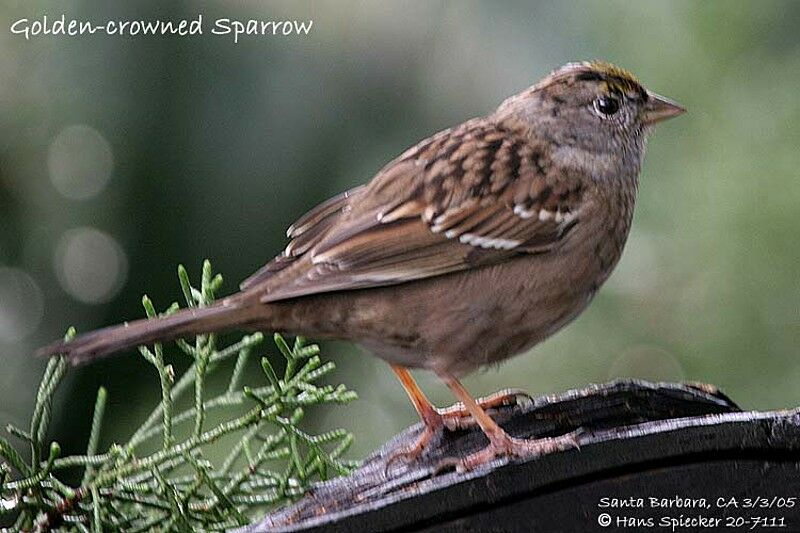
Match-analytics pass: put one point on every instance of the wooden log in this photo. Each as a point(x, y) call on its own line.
point(663, 457)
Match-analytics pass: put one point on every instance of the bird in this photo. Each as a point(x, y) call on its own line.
point(472, 246)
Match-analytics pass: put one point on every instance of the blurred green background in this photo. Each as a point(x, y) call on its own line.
point(121, 157)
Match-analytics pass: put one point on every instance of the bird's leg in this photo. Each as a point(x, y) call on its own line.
point(500, 442)
point(457, 416)
point(453, 417)
point(427, 412)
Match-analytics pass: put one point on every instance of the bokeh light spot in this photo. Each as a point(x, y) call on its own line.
point(90, 265)
point(80, 162)
point(21, 304)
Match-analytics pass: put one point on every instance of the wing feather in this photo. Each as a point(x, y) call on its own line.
point(474, 195)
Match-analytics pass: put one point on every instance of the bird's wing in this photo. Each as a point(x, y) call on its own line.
point(474, 195)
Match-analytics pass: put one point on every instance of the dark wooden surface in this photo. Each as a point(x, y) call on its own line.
point(640, 440)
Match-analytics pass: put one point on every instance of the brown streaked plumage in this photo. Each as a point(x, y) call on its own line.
point(470, 247)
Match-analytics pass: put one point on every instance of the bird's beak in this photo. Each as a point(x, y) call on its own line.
point(659, 108)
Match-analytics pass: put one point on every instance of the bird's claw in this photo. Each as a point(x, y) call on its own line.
point(507, 446)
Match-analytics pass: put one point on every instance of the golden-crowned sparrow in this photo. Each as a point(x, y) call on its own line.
point(472, 246)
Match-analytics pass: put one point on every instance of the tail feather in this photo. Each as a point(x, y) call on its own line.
point(107, 341)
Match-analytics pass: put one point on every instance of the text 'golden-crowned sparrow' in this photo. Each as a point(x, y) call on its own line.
point(473, 245)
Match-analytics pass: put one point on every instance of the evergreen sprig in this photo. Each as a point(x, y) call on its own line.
point(170, 485)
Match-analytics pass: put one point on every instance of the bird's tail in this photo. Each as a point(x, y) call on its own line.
point(193, 321)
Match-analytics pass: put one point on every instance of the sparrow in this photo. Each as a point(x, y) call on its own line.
point(472, 246)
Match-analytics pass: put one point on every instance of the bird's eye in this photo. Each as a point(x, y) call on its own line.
point(606, 105)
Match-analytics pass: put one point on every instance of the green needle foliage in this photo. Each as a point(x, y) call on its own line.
point(160, 479)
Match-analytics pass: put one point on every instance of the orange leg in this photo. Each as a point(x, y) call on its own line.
point(500, 442)
point(427, 412)
point(454, 417)
point(458, 417)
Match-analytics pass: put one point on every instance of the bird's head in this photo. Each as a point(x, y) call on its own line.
point(591, 108)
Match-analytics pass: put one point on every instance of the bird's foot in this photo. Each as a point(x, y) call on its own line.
point(504, 445)
point(413, 452)
point(453, 418)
